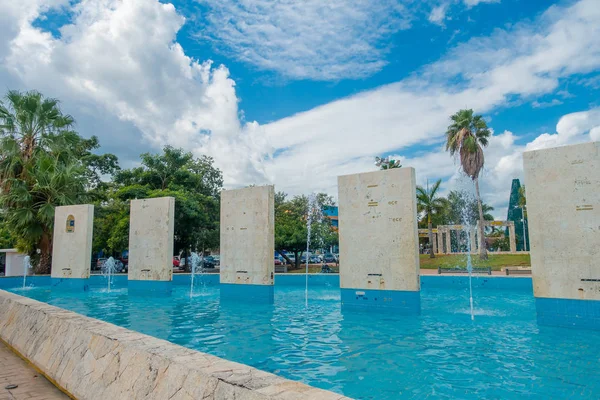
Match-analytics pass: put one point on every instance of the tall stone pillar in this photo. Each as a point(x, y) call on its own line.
point(438, 239)
point(511, 237)
point(448, 241)
point(473, 238)
point(248, 243)
point(151, 230)
point(72, 246)
point(563, 206)
point(434, 243)
point(379, 241)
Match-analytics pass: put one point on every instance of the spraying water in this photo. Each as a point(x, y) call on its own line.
point(467, 221)
point(26, 266)
point(108, 269)
point(470, 270)
point(195, 261)
point(311, 200)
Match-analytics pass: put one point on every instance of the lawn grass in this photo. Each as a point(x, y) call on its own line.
point(495, 261)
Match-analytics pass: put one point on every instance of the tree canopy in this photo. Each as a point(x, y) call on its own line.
point(42, 165)
point(291, 230)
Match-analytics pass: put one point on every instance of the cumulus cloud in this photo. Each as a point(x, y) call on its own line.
point(322, 40)
point(121, 58)
point(527, 61)
point(119, 65)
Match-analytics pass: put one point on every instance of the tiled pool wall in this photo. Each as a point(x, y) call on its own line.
point(333, 280)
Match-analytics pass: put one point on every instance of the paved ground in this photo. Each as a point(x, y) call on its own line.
point(32, 386)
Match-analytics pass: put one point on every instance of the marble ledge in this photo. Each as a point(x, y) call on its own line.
point(92, 359)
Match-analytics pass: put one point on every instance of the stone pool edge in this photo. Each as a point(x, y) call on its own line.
point(91, 359)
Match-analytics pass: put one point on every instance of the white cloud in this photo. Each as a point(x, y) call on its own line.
point(525, 62)
point(121, 58)
point(473, 3)
point(571, 128)
point(546, 104)
point(310, 39)
point(438, 14)
point(119, 65)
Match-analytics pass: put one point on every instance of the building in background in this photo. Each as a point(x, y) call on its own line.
point(518, 216)
point(331, 212)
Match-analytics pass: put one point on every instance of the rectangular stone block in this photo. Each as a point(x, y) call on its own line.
point(72, 245)
point(151, 230)
point(248, 239)
point(379, 248)
point(14, 262)
point(563, 206)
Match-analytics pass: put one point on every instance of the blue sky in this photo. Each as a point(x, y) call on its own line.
point(296, 93)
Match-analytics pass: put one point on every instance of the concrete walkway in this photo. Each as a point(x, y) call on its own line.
point(32, 386)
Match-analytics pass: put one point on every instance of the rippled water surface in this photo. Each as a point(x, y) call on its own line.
point(439, 354)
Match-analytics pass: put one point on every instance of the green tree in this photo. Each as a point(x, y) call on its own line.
point(291, 229)
point(194, 183)
point(387, 163)
point(7, 241)
point(430, 204)
point(462, 208)
point(466, 136)
point(39, 169)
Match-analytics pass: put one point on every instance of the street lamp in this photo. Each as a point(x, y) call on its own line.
point(523, 221)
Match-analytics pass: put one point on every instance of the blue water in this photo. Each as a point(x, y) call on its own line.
point(502, 354)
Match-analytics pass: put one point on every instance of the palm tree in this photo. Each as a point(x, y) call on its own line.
point(38, 170)
point(465, 137)
point(30, 118)
point(387, 163)
point(429, 203)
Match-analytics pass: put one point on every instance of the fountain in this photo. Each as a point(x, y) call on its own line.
point(195, 260)
point(313, 213)
point(26, 266)
point(108, 269)
point(468, 229)
point(470, 271)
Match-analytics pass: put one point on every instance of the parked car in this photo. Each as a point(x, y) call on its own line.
point(329, 258)
point(99, 263)
point(217, 259)
point(176, 262)
point(209, 262)
point(278, 261)
point(120, 267)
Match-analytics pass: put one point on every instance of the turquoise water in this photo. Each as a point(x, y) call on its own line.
point(502, 354)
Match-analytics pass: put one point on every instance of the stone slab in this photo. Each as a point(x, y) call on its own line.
point(248, 236)
point(563, 210)
point(92, 359)
point(379, 247)
point(72, 241)
point(151, 230)
point(14, 263)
